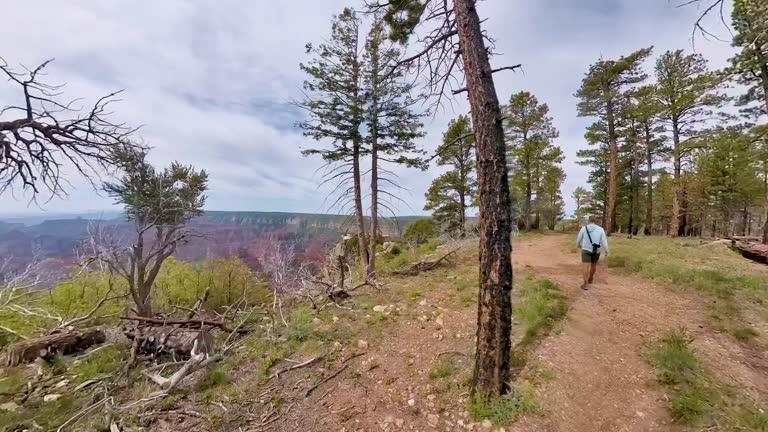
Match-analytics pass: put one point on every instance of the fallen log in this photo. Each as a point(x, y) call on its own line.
point(63, 342)
point(161, 343)
point(754, 251)
point(422, 266)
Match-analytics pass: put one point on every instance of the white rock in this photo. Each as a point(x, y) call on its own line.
point(335, 318)
point(439, 320)
point(380, 308)
point(362, 344)
point(61, 383)
point(486, 424)
point(9, 406)
point(51, 397)
point(423, 302)
point(411, 402)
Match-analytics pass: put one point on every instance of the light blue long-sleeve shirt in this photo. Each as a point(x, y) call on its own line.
point(598, 237)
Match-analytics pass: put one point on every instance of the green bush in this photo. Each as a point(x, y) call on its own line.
point(420, 231)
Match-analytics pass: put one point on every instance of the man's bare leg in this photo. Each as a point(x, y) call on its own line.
point(592, 269)
point(585, 274)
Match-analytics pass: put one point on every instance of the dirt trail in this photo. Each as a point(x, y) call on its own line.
point(596, 376)
point(602, 382)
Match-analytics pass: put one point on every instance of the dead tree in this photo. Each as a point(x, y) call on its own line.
point(278, 261)
point(457, 44)
point(43, 135)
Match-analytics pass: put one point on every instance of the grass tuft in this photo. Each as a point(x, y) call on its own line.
point(696, 399)
point(505, 409)
point(539, 308)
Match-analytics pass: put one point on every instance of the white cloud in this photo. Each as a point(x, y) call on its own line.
point(210, 81)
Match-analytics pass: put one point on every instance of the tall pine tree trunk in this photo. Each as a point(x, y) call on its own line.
point(462, 214)
point(371, 269)
point(679, 205)
point(494, 310)
point(527, 204)
point(374, 136)
point(765, 191)
point(362, 243)
point(613, 170)
point(649, 181)
point(764, 77)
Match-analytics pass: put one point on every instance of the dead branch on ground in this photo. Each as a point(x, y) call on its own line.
point(422, 266)
point(344, 366)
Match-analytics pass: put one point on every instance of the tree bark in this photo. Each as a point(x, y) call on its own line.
point(139, 289)
point(613, 169)
point(362, 243)
point(649, 181)
point(679, 205)
point(494, 311)
point(764, 76)
point(371, 269)
point(374, 133)
point(765, 215)
point(527, 208)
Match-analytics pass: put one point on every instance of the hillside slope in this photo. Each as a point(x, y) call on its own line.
point(400, 358)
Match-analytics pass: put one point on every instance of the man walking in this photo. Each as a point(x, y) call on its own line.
point(593, 241)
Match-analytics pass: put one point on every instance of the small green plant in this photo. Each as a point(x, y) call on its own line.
point(272, 358)
point(300, 325)
point(213, 378)
point(415, 295)
point(505, 409)
point(104, 361)
point(674, 360)
point(443, 369)
point(677, 365)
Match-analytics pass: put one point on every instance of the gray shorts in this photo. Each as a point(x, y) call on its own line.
point(589, 257)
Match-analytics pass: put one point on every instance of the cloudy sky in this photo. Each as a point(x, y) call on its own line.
point(211, 81)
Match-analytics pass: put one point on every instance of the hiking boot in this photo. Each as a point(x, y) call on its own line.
point(584, 286)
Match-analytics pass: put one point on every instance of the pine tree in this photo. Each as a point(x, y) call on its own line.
point(457, 43)
point(750, 25)
point(335, 107)
point(759, 138)
point(529, 133)
point(159, 204)
point(550, 202)
point(728, 176)
point(583, 200)
point(597, 158)
point(392, 124)
point(645, 109)
point(451, 193)
point(686, 91)
point(600, 95)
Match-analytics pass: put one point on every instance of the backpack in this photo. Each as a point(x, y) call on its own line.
point(595, 246)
